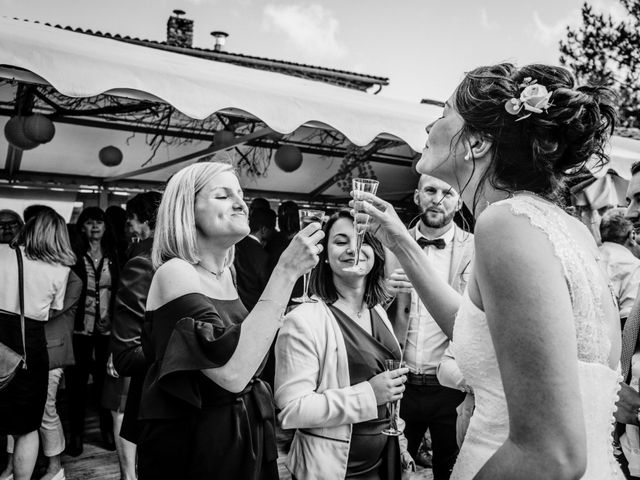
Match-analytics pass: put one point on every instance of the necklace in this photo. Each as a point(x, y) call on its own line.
point(358, 313)
point(216, 275)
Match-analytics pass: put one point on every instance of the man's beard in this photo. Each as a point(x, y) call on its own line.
point(438, 222)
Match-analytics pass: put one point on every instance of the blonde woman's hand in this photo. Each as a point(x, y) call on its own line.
point(388, 386)
point(302, 253)
point(384, 222)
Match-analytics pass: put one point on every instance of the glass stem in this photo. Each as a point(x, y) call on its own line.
point(305, 285)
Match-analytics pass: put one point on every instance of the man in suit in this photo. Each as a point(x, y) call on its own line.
point(628, 412)
point(251, 258)
point(427, 404)
point(127, 324)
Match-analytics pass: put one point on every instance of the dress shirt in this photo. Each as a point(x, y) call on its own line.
point(426, 342)
point(630, 440)
point(624, 273)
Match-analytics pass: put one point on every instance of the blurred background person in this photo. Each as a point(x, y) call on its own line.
point(10, 224)
point(98, 268)
point(620, 254)
point(116, 218)
point(331, 379)
point(251, 258)
point(141, 216)
point(129, 366)
point(46, 256)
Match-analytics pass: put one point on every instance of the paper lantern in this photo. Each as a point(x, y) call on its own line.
point(14, 132)
point(110, 156)
point(39, 128)
point(223, 138)
point(288, 158)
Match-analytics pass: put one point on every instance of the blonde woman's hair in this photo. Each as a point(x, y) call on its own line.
point(45, 238)
point(175, 235)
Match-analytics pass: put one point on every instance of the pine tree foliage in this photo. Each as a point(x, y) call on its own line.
point(606, 51)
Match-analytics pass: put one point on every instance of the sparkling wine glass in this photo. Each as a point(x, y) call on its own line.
point(307, 217)
point(361, 185)
point(392, 430)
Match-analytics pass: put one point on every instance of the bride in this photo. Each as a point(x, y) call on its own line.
point(536, 333)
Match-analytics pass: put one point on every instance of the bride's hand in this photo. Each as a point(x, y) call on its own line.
point(384, 222)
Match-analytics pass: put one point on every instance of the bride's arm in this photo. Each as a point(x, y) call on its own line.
point(530, 318)
point(440, 299)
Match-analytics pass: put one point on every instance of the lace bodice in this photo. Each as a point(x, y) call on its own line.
point(475, 354)
point(580, 270)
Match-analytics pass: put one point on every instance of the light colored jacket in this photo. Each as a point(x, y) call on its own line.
point(459, 273)
point(449, 375)
point(314, 393)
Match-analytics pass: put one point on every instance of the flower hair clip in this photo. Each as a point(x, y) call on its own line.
point(533, 99)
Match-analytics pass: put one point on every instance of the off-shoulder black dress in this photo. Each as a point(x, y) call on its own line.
point(191, 427)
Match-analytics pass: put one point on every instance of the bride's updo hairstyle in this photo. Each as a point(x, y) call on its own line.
point(534, 150)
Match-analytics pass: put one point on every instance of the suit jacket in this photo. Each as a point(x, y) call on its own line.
point(59, 329)
point(252, 270)
point(459, 272)
point(128, 316)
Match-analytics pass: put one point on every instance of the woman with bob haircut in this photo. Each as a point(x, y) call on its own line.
point(46, 257)
point(204, 411)
point(536, 334)
point(331, 382)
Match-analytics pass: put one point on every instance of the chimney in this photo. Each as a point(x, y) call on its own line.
point(179, 30)
point(220, 39)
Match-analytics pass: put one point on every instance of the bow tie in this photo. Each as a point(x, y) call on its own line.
point(439, 243)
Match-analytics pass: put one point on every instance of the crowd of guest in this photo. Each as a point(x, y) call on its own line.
point(95, 324)
point(179, 309)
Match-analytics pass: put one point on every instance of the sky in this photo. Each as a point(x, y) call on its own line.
point(423, 46)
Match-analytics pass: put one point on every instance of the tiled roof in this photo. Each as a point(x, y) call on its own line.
point(342, 78)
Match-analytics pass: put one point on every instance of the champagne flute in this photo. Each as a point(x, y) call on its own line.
point(360, 185)
point(307, 216)
point(392, 430)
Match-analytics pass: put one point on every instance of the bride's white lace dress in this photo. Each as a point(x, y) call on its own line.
point(599, 384)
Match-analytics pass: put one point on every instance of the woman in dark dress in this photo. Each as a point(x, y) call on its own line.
point(331, 384)
point(204, 412)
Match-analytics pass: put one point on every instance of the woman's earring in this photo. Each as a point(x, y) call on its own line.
point(326, 260)
point(467, 157)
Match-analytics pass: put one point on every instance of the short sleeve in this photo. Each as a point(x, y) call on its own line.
point(60, 287)
point(198, 340)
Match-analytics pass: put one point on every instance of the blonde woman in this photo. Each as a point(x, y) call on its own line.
point(44, 244)
point(204, 412)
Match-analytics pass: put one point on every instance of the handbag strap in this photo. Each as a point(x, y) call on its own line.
point(21, 296)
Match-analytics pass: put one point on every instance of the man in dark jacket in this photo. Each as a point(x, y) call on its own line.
point(131, 299)
point(251, 259)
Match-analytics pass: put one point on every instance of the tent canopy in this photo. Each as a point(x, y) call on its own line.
point(93, 74)
point(61, 63)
